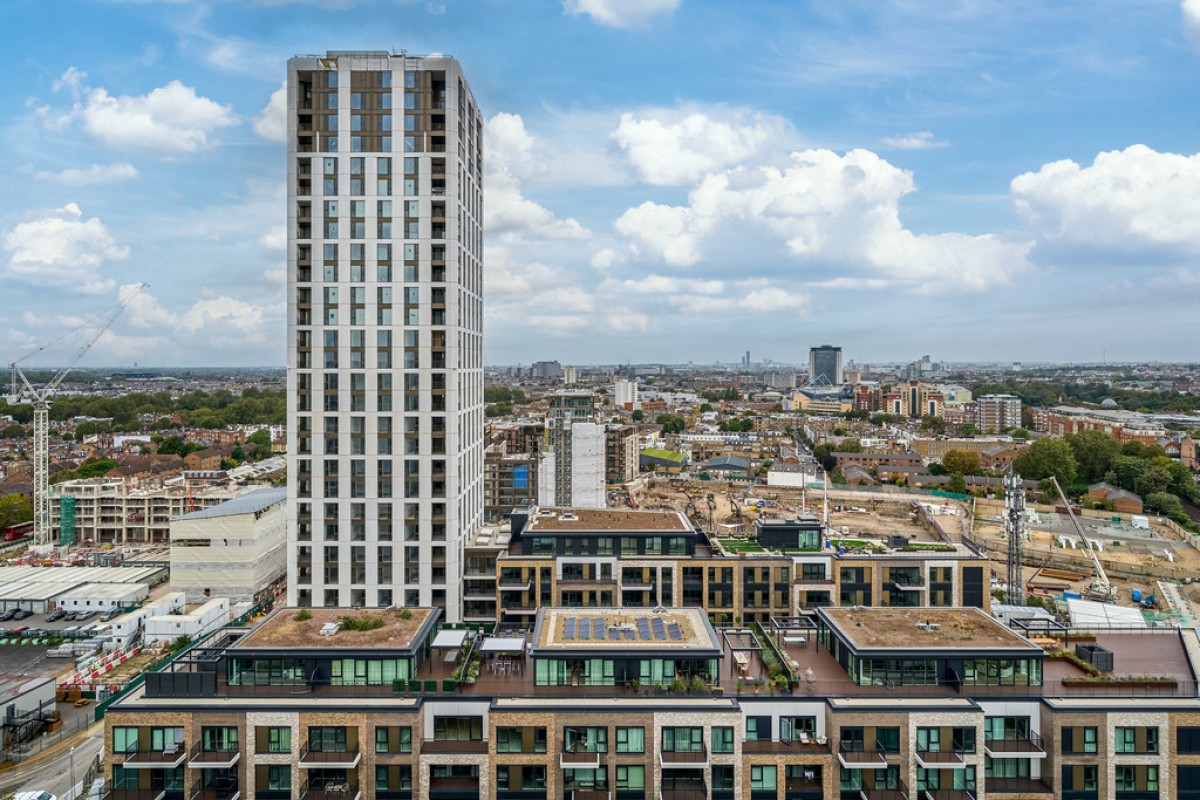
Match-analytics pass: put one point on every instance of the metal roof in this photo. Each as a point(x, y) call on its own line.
point(247, 503)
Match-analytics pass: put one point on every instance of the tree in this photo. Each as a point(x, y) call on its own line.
point(705, 407)
point(963, 462)
point(932, 424)
point(935, 468)
point(639, 415)
point(1019, 433)
point(1153, 480)
point(1166, 504)
point(13, 431)
point(260, 444)
point(1126, 471)
point(966, 430)
point(957, 483)
point(15, 509)
point(1047, 457)
point(850, 446)
point(1094, 452)
point(672, 423)
point(176, 446)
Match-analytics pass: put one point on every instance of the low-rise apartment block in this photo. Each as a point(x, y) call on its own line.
point(643, 704)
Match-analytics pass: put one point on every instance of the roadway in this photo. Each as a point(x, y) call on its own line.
point(52, 773)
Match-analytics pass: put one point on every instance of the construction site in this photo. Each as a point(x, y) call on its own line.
point(1120, 560)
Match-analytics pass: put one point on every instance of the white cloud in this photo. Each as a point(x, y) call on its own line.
point(63, 250)
point(272, 122)
point(508, 145)
point(171, 119)
point(672, 148)
point(918, 140)
point(73, 80)
point(143, 310)
point(275, 238)
point(96, 173)
point(1124, 199)
point(509, 214)
point(1191, 21)
point(621, 13)
point(235, 318)
point(826, 209)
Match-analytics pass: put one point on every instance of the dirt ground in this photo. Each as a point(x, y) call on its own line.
point(879, 517)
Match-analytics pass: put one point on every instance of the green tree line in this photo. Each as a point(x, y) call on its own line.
point(201, 409)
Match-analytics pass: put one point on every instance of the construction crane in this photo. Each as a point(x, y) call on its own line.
point(22, 392)
point(1101, 588)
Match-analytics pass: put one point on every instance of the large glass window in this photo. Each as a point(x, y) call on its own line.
point(722, 740)
point(762, 777)
point(631, 777)
point(631, 740)
point(682, 740)
point(125, 739)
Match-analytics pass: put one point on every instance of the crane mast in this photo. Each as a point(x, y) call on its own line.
point(22, 391)
point(1101, 588)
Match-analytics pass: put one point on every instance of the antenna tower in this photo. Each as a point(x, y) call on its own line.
point(1014, 529)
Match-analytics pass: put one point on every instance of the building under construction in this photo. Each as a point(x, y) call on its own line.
point(110, 511)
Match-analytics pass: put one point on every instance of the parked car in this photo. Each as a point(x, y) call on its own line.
point(112, 613)
point(85, 615)
point(19, 630)
point(22, 614)
point(9, 615)
point(56, 615)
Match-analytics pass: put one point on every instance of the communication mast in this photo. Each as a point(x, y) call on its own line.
point(1014, 529)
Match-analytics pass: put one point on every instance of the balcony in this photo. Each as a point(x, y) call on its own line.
point(684, 793)
point(135, 794)
point(454, 746)
point(793, 746)
point(167, 758)
point(899, 793)
point(224, 790)
point(907, 581)
point(949, 794)
point(1014, 746)
point(683, 758)
point(853, 755)
point(453, 788)
point(213, 759)
point(579, 759)
point(329, 759)
point(1017, 786)
point(940, 759)
point(331, 791)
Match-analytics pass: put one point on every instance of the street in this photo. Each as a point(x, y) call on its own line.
point(54, 774)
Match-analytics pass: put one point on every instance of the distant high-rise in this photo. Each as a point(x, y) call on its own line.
point(825, 366)
point(625, 394)
point(385, 330)
point(571, 472)
point(996, 413)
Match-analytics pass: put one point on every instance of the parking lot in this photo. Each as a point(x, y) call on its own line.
point(12, 628)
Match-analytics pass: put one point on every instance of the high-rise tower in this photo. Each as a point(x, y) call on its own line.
point(385, 329)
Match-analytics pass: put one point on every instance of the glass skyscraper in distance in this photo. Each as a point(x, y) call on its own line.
point(385, 329)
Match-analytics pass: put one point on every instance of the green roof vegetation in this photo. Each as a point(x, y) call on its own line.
point(740, 546)
point(665, 455)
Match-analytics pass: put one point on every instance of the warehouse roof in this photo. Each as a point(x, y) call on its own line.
point(248, 503)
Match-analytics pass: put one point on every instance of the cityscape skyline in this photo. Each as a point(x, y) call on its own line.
point(833, 174)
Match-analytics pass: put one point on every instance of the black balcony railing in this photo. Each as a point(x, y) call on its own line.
point(699, 756)
point(327, 758)
point(215, 790)
point(454, 746)
point(1013, 743)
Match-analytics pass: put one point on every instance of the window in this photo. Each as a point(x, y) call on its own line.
point(1089, 740)
point(631, 740)
point(125, 740)
point(762, 777)
point(458, 728)
point(327, 739)
point(682, 740)
point(1187, 741)
point(792, 727)
point(722, 740)
point(279, 777)
point(631, 777)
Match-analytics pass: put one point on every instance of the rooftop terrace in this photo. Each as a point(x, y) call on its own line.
point(624, 629)
point(594, 519)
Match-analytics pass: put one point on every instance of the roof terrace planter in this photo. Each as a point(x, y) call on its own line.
point(1123, 681)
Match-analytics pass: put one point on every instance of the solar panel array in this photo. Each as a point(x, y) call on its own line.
point(597, 628)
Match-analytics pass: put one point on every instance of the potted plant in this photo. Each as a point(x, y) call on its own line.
point(698, 685)
point(679, 685)
point(758, 682)
point(741, 684)
point(635, 685)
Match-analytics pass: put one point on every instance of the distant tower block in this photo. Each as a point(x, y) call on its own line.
point(1014, 530)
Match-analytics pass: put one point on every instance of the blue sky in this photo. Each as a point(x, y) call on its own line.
point(666, 179)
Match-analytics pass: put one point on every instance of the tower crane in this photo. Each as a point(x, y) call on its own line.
point(22, 391)
point(1101, 588)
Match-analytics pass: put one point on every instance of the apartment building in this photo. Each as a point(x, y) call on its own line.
point(510, 481)
point(385, 461)
point(1125, 426)
point(112, 511)
point(640, 559)
point(996, 413)
point(642, 704)
point(622, 448)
